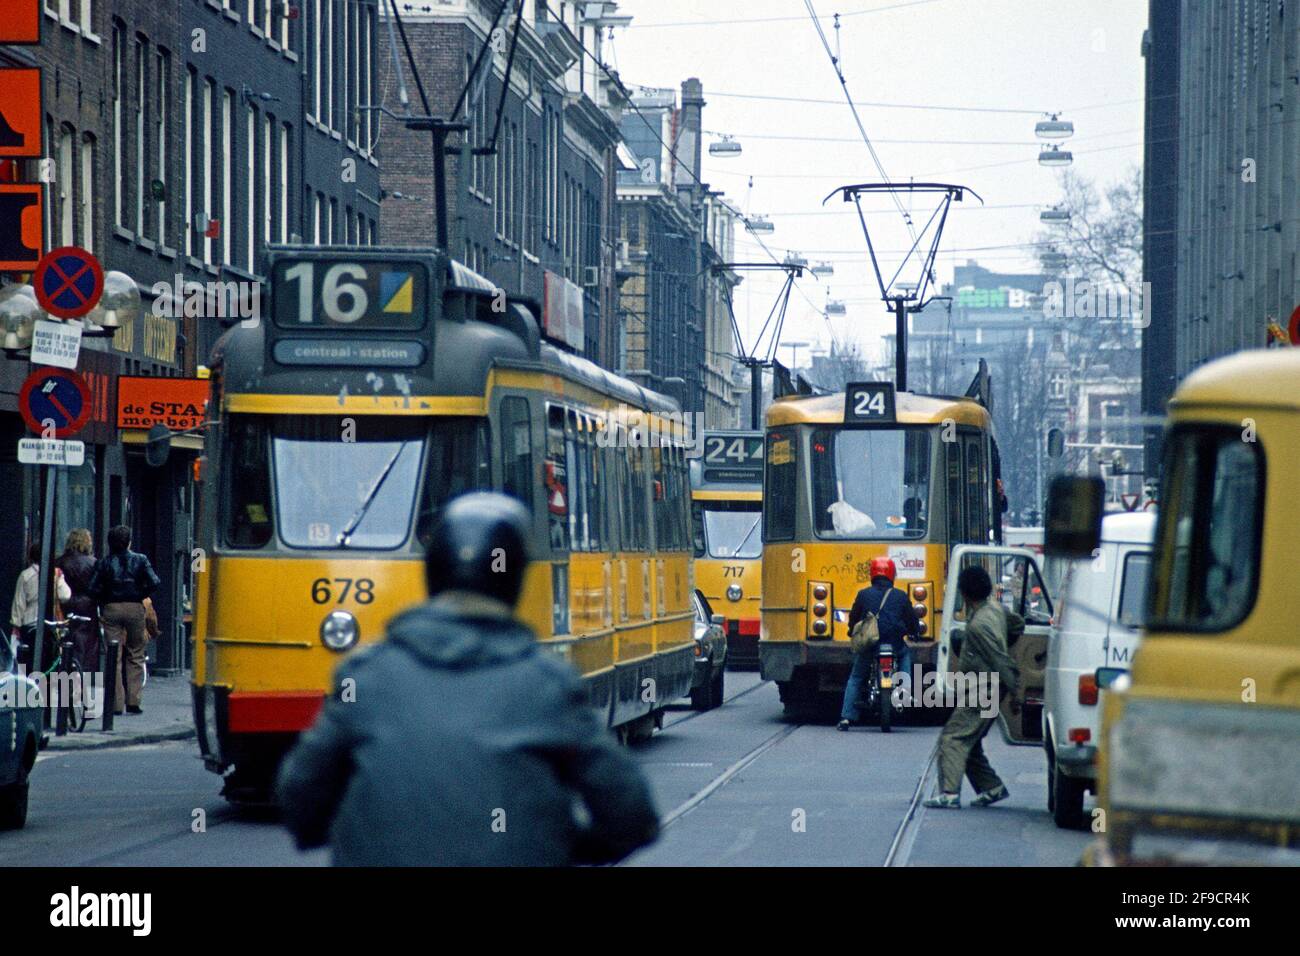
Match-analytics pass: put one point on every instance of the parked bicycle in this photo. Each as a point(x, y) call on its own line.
point(73, 702)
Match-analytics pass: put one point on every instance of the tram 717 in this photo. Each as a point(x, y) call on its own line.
point(853, 476)
point(385, 382)
point(727, 509)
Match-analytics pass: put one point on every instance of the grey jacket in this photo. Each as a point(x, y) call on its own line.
point(458, 742)
point(984, 646)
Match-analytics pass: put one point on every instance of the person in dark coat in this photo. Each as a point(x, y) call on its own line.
point(78, 566)
point(896, 619)
point(458, 740)
point(121, 583)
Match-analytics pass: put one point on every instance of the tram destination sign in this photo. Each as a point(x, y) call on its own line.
point(332, 292)
point(734, 459)
point(868, 403)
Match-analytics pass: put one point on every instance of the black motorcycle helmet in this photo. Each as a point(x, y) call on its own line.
point(479, 544)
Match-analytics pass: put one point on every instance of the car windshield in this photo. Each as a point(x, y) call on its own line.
point(871, 483)
point(731, 529)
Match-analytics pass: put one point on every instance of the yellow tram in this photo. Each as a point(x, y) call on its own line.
point(853, 476)
point(726, 507)
point(384, 383)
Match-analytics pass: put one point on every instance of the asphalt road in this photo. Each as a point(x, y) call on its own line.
point(737, 786)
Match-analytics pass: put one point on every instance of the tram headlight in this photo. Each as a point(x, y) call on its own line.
point(339, 630)
point(734, 593)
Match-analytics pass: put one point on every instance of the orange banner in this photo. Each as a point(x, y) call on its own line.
point(21, 22)
point(178, 403)
point(20, 113)
point(22, 226)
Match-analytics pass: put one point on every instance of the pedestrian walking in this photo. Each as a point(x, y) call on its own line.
point(121, 582)
point(984, 652)
point(26, 606)
point(457, 740)
point(78, 566)
point(896, 620)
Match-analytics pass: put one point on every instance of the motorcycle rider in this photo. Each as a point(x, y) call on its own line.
point(896, 620)
point(457, 740)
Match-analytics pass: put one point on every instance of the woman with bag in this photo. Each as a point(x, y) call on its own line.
point(78, 566)
point(886, 610)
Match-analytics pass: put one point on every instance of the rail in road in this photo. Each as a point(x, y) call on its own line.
point(742, 785)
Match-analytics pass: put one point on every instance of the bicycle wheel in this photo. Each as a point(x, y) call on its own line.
point(76, 705)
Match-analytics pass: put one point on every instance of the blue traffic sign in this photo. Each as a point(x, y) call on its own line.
point(56, 396)
point(68, 282)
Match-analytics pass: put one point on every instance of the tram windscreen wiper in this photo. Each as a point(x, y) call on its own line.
point(740, 548)
point(359, 515)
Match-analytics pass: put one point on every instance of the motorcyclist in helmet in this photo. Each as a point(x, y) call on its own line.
point(458, 741)
point(896, 619)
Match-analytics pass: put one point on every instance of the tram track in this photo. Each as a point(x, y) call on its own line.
point(900, 848)
point(721, 780)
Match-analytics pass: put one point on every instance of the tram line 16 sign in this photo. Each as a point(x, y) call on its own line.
point(324, 292)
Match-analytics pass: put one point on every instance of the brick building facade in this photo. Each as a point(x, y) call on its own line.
point(543, 202)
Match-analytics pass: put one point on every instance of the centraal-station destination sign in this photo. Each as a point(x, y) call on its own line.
point(360, 309)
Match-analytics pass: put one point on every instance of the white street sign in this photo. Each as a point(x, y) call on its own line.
point(56, 343)
point(51, 451)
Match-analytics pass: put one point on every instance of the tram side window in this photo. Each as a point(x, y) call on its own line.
point(681, 501)
point(597, 495)
point(576, 471)
point(976, 492)
point(660, 504)
point(636, 497)
point(248, 516)
point(517, 449)
point(556, 480)
point(779, 485)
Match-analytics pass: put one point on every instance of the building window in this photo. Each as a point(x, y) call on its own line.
point(64, 212)
point(269, 200)
point(88, 16)
point(286, 134)
point(87, 197)
point(187, 227)
point(141, 107)
point(345, 74)
point(227, 183)
point(314, 48)
point(327, 58)
point(209, 94)
point(162, 127)
point(118, 41)
point(333, 236)
point(250, 182)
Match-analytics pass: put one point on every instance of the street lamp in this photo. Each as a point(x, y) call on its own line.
point(1055, 215)
point(121, 300)
point(794, 259)
point(19, 312)
point(760, 224)
point(823, 269)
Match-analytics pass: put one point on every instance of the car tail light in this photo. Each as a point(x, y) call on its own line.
point(1080, 735)
point(1087, 690)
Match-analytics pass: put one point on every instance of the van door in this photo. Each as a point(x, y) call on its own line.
point(1018, 586)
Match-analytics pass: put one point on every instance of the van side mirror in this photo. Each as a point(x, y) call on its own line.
point(1075, 505)
point(158, 445)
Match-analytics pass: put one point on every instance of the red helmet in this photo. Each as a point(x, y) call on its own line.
point(883, 568)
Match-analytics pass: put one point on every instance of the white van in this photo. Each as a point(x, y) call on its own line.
point(1099, 609)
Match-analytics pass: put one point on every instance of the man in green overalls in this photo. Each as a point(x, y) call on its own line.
point(983, 652)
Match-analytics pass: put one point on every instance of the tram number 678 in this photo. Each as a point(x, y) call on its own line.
point(363, 592)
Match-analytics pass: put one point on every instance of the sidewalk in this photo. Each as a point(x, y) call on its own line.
point(167, 716)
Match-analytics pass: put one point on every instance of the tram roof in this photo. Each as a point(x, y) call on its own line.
point(1255, 377)
point(909, 409)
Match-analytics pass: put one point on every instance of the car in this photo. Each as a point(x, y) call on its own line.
point(1091, 642)
point(20, 734)
point(707, 682)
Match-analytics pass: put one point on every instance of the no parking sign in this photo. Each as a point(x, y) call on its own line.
point(68, 282)
point(57, 396)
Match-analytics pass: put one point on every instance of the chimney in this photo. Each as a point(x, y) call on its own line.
point(689, 138)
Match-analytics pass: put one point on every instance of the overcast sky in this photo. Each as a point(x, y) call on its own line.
point(1081, 58)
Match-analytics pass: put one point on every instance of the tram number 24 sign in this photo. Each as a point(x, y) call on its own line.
point(868, 403)
point(318, 294)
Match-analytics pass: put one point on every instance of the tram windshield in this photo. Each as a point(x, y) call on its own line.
point(871, 483)
point(728, 529)
point(326, 482)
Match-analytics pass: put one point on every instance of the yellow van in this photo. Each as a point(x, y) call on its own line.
point(1200, 754)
